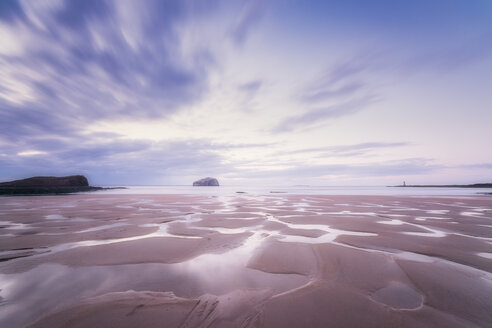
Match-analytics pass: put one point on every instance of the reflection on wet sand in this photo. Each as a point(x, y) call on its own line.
point(245, 261)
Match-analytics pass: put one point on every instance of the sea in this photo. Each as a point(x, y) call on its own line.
point(298, 190)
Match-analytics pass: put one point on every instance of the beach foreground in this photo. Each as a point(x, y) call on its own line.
point(245, 261)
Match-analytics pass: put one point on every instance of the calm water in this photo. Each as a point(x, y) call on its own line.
point(299, 190)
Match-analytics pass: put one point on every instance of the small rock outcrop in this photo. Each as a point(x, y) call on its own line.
point(206, 182)
point(47, 185)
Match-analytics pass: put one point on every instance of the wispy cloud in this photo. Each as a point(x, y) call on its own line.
point(344, 78)
point(249, 16)
point(450, 58)
point(329, 92)
point(344, 149)
point(251, 87)
point(476, 166)
point(320, 115)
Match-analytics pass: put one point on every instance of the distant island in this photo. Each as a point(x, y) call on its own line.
point(475, 185)
point(48, 185)
point(208, 181)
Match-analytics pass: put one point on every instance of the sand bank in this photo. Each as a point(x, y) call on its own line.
point(245, 261)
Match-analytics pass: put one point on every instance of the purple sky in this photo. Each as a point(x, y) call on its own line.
point(251, 92)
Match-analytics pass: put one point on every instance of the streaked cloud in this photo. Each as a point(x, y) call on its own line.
point(344, 149)
point(251, 87)
point(30, 153)
point(248, 17)
point(321, 115)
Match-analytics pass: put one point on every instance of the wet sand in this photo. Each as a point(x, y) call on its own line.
point(245, 261)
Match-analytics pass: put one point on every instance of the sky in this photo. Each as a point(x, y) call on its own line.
point(252, 92)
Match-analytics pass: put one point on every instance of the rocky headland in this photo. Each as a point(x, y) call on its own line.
point(47, 185)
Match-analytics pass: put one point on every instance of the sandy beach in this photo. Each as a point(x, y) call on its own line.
point(277, 260)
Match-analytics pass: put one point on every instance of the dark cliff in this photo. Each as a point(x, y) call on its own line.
point(47, 185)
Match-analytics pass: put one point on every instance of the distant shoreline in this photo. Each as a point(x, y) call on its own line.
point(475, 185)
point(36, 191)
